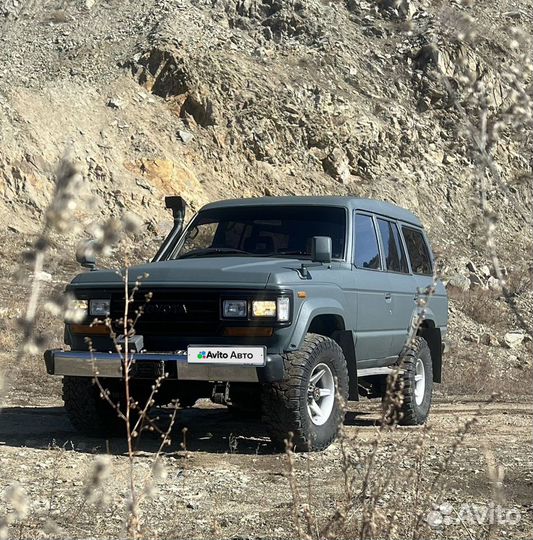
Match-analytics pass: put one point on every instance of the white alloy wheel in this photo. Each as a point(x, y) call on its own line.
point(321, 394)
point(420, 381)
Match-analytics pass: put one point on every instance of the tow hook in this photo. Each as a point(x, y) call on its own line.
point(220, 393)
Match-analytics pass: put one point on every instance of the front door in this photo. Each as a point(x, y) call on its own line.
point(374, 307)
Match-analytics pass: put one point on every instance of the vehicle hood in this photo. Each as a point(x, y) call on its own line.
point(204, 272)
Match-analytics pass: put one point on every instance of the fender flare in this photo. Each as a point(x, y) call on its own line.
point(308, 311)
point(432, 334)
point(344, 338)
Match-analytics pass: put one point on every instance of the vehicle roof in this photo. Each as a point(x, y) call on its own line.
point(353, 203)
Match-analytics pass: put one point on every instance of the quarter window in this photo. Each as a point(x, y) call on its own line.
point(418, 251)
point(392, 247)
point(366, 243)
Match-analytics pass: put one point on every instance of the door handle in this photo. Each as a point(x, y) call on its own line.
point(388, 297)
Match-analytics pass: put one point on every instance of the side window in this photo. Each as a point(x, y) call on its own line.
point(366, 243)
point(418, 251)
point(404, 267)
point(394, 255)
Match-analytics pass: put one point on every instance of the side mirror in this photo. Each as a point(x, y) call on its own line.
point(321, 249)
point(85, 255)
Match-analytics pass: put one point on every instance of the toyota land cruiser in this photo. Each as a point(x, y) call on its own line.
point(288, 304)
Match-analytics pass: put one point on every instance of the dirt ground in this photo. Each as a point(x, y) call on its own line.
point(228, 482)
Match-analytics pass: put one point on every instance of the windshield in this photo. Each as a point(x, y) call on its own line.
point(276, 231)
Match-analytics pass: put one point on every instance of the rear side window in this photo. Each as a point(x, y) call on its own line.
point(366, 243)
point(395, 258)
point(418, 251)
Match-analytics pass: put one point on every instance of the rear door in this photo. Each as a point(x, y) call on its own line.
point(374, 315)
point(402, 284)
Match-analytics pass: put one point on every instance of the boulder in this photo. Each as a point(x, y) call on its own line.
point(458, 281)
point(336, 165)
point(485, 271)
point(116, 103)
point(185, 136)
point(513, 339)
point(399, 9)
point(494, 284)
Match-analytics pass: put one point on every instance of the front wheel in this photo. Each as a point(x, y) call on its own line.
point(91, 414)
point(307, 408)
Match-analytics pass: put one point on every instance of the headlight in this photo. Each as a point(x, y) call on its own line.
point(264, 308)
point(99, 308)
point(234, 308)
point(283, 308)
point(77, 304)
point(76, 310)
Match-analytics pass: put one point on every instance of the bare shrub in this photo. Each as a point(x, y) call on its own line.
point(389, 489)
point(474, 369)
point(482, 305)
point(520, 281)
point(59, 219)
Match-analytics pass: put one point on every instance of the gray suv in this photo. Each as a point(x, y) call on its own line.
point(285, 305)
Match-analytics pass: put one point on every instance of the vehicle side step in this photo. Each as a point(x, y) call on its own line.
point(367, 372)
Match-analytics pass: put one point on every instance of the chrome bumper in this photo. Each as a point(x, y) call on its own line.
point(152, 365)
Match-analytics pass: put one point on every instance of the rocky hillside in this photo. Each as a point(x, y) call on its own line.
point(213, 99)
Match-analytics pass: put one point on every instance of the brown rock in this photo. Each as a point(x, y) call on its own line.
point(169, 178)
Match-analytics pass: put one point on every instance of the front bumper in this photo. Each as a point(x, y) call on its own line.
point(154, 365)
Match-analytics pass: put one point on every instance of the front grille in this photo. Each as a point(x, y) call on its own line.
point(185, 312)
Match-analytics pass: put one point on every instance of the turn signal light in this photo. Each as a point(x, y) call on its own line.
point(247, 331)
point(88, 330)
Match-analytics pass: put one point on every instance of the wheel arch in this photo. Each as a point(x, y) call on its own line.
point(431, 333)
point(330, 322)
point(326, 324)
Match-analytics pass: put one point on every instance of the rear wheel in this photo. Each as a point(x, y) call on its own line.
point(415, 384)
point(308, 406)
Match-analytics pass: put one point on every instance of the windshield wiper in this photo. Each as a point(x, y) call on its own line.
point(292, 252)
point(205, 252)
point(288, 252)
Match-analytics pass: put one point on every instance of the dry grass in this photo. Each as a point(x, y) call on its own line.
point(483, 306)
point(477, 369)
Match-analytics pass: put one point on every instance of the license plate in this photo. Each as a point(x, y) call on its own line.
point(241, 356)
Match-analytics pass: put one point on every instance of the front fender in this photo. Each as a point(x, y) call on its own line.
point(307, 312)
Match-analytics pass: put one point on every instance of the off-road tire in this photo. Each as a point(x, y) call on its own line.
point(411, 413)
point(89, 413)
point(284, 404)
